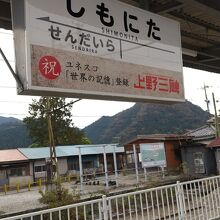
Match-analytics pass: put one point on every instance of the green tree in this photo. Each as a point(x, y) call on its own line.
point(61, 118)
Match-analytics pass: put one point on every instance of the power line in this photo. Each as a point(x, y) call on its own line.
point(2, 113)
point(75, 116)
point(6, 33)
point(87, 116)
point(18, 102)
point(7, 87)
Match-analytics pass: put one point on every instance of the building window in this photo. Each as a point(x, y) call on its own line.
point(88, 164)
point(73, 165)
point(2, 174)
point(40, 168)
point(199, 163)
point(17, 171)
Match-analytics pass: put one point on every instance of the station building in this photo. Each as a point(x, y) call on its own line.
point(29, 164)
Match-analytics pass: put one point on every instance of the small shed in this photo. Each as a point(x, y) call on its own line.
point(14, 167)
point(198, 159)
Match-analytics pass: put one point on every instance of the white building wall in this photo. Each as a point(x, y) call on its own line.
point(21, 180)
point(43, 175)
point(40, 162)
point(62, 166)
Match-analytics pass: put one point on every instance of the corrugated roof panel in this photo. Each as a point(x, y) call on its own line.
point(41, 152)
point(72, 150)
point(90, 149)
point(12, 155)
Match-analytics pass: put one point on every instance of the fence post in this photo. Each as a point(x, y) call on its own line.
point(5, 188)
point(68, 178)
point(180, 198)
point(40, 184)
point(145, 174)
point(29, 185)
point(17, 187)
point(136, 163)
point(104, 207)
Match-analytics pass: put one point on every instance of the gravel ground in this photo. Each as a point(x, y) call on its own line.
point(19, 202)
point(15, 202)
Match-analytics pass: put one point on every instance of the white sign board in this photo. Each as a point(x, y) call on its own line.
point(100, 49)
point(153, 155)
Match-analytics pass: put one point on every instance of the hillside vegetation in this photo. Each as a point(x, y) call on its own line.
point(13, 133)
point(145, 118)
point(142, 118)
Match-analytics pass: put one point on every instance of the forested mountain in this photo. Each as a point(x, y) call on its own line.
point(145, 118)
point(4, 120)
point(13, 133)
point(142, 118)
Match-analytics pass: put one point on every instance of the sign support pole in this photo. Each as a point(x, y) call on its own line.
point(105, 167)
point(145, 174)
point(136, 163)
point(115, 165)
point(80, 170)
point(163, 175)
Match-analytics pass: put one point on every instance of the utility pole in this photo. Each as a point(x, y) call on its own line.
point(51, 163)
point(206, 97)
point(52, 169)
point(216, 117)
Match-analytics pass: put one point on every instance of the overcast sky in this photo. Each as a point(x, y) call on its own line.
point(87, 111)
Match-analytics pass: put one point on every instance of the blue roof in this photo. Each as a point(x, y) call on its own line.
point(39, 152)
point(90, 149)
point(71, 150)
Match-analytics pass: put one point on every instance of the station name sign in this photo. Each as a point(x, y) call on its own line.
point(101, 49)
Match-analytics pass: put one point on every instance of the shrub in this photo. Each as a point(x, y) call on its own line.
point(59, 197)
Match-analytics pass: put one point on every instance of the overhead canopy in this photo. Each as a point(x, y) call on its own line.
point(200, 27)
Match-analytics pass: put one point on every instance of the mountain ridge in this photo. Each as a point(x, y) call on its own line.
point(6, 120)
point(13, 133)
point(145, 118)
point(140, 119)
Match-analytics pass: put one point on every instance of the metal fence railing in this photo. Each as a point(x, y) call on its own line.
point(192, 200)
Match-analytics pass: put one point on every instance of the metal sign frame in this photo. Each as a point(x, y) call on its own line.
point(153, 154)
point(122, 52)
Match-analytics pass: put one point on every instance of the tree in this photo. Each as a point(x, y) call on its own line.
point(61, 118)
